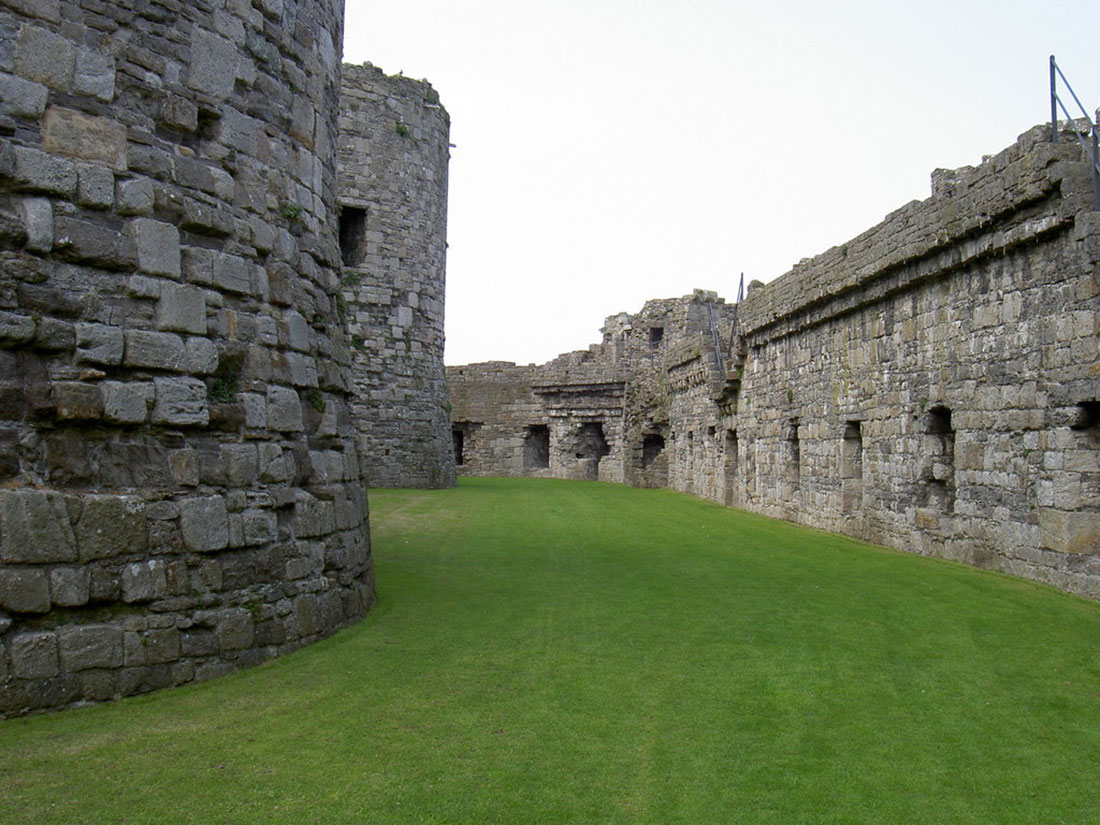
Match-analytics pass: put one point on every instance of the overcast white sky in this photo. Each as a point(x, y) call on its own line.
point(613, 151)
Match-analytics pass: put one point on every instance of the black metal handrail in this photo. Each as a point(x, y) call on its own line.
point(1056, 103)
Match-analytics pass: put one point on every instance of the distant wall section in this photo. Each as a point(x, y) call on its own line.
point(393, 234)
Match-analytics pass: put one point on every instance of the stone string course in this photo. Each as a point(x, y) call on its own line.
point(181, 490)
point(933, 384)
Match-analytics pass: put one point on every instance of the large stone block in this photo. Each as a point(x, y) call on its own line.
point(181, 309)
point(111, 525)
point(34, 655)
point(24, 589)
point(1069, 532)
point(35, 527)
point(77, 135)
point(77, 400)
point(158, 246)
point(22, 97)
point(155, 350)
point(45, 57)
point(83, 647)
point(284, 409)
point(70, 586)
point(94, 74)
point(204, 522)
point(38, 221)
point(213, 64)
point(37, 171)
point(144, 581)
point(126, 403)
point(181, 401)
point(99, 344)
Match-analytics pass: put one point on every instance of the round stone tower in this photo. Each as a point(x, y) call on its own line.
point(393, 237)
point(180, 487)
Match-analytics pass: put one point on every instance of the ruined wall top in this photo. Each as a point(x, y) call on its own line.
point(964, 202)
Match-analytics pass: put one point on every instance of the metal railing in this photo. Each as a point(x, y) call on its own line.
point(1056, 103)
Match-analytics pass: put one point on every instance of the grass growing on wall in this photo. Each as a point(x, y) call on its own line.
point(569, 652)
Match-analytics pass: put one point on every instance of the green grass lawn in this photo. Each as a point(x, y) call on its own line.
point(569, 652)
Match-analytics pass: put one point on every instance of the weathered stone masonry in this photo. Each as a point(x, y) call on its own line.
point(393, 197)
point(933, 384)
point(180, 486)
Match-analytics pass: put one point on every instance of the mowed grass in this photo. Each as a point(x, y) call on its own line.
point(558, 652)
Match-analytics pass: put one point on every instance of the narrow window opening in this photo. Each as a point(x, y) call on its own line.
point(536, 447)
point(656, 335)
point(794, 454)
point(353, 235)
point(939, 467)
point(653, 444)
point(458, 439)
point(732, 460)
point(851, 467)
point(1088, 416)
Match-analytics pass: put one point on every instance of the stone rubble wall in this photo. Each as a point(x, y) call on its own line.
point(619, 385)
point(932, 385)
point(180, 486)
point(393, 161)
point(981, 301)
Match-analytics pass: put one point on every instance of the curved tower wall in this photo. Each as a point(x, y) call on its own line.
point(393, 197)
point(180, 488)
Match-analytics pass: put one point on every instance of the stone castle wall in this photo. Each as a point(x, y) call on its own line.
point(597, 414)
point(180, 486)
point(933, 384)
point(393, 195)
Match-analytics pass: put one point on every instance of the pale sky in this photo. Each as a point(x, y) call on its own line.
point(612, 151)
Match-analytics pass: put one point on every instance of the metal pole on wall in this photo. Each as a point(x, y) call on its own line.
point(1053, 102)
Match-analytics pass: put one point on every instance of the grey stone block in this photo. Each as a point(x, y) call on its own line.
point(94, 74)
point(144, 581)
point(235, 629)
point(179, 114)
point(95, 186)
point(46, 57)
point(284, 409)
point(38, 221)
point(135, 196)
point(111, 525)
point(157, 245)
point(213, 64)
point(35, 527)
point(126, 403)
point(77, 400)
point(241, 464)
point(182, 309)
point(303, 370)
point(24, 590)
point(313, 516)
point(297, 331)
point(181, 401)
point(45, 9)
point(184, 465)
point(83, 647)
point(255, 410)
point(55, 336)
point(232, 274)
point(34, 655)
point(15, 328)
point(21, 97)
point(156, 350)
point(99, 344)
point(70, 586)
point(92, 242)
point(38, 171)
point(204, 522)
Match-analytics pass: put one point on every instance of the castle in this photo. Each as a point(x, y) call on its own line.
point(221, 304)
point(932, 385)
